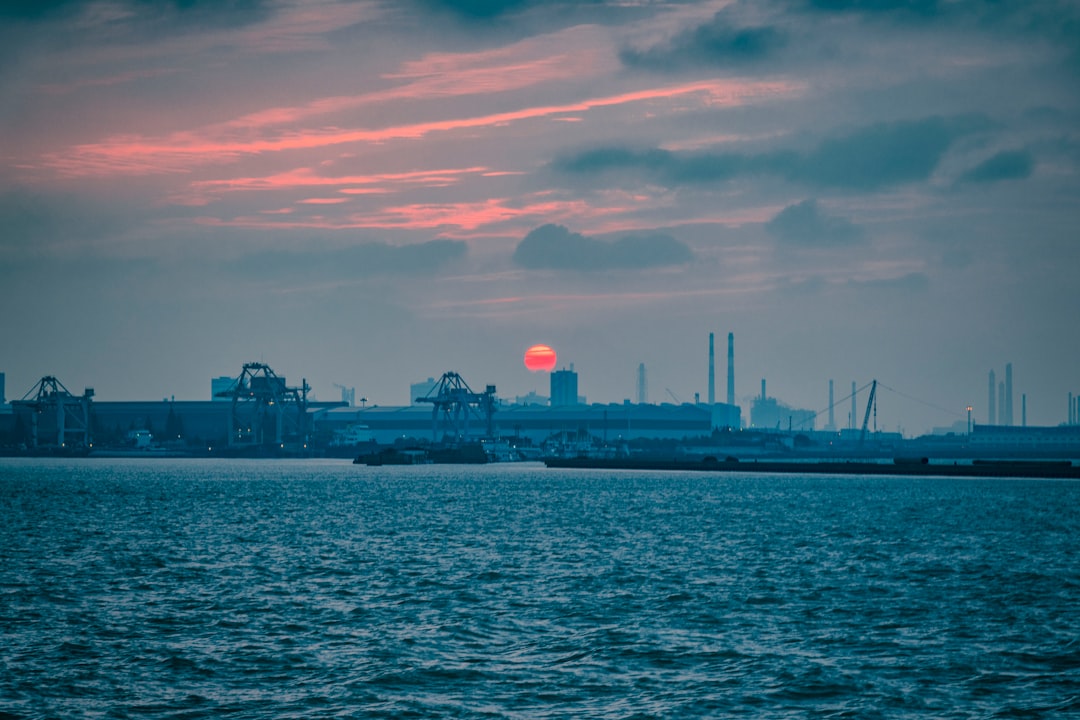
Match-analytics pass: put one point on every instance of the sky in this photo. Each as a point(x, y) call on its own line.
point(367, 194)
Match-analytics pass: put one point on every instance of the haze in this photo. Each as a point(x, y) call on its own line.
point(372, 193)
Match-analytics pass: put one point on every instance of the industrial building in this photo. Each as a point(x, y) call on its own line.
point(537, 423)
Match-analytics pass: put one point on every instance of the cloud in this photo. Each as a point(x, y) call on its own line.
point(715, 43)
point(214, 13)
point(476, 9)
point(1006, 165)
point(805, 224)
point(884, 154)
point(924, 8)
point(181, 151)
point(870, 158)
point(554, 247)
point(363, 260)
point(676, 168)
point(913, 282)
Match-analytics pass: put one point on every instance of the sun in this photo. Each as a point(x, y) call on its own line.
point(540, 358)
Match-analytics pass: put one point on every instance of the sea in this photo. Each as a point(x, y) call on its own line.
point(191, 588)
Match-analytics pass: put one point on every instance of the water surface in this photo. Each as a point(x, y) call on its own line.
point(254, 589)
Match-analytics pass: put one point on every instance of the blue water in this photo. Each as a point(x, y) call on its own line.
point(299, 589)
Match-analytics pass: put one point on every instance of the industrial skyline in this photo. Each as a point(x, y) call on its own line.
point(368, 193)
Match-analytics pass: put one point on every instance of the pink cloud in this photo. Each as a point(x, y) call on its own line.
point(180, 152)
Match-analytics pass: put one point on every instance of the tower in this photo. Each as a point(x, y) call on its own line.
point(642, 385)
point(1001, 402)
point(564, 387)
point(991, 403)
point(731, 368)
point(712, 372)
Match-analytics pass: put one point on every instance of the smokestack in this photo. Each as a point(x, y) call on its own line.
point(712, 372)
point(642, 385)
point(731, 368)
point(1001, 403)
point(832, 418)
point(763, 388)
point(992, 403)
point(1008, 409)
point(854, 410)
point(1072, 411)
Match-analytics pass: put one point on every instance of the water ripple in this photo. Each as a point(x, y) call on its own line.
point(161, 589)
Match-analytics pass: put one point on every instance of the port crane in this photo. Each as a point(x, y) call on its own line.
point(264, 411)
point(453, 402)
point(57, 418)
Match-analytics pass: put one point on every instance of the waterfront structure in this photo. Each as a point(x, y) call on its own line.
point(609, 422)
point(991, 401)
point(53, 418)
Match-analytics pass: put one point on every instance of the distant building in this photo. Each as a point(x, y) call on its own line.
point(422, 389)
point(221, 387)
point(768, 413)
point(531, 399)
point(564, 387)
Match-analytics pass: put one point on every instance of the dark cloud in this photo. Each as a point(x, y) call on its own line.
point(869, 158)
point(715, 43)
point(222, 13)
point(476, 9)
point(364, 260)
point(671, 168)
point(805, 224)
point(554, 247)
point(1007, 165)
point(926, 8)
point(884, 154)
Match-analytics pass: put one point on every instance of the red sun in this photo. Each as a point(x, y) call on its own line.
point(540, 357)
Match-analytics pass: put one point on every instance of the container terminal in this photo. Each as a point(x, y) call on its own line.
point(257, 413)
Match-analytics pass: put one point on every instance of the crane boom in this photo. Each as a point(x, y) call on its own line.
point(866, 417)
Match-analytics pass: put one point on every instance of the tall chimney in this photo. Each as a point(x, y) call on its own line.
point(1001, 402)
point(832, 417)
point(731, 368)
point(642, 385)
point(1072, 410)
point(991, 402)
point(1008, 409)
point(712, 372)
